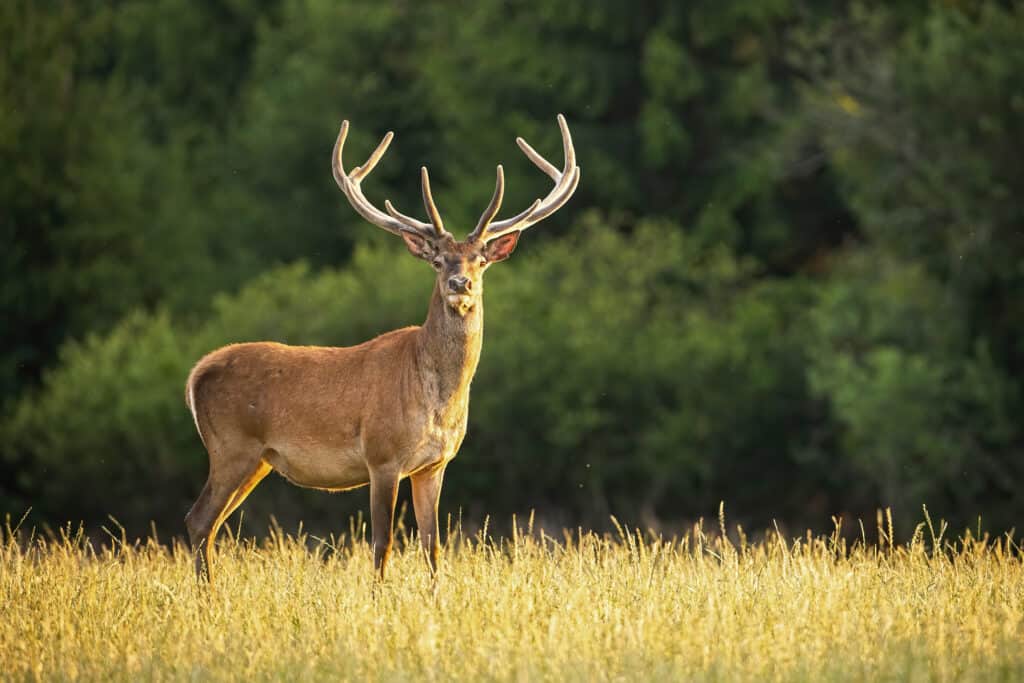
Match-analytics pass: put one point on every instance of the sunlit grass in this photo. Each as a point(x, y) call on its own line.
point(628, 606)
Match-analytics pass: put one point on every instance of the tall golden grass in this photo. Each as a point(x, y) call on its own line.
point(626, 606)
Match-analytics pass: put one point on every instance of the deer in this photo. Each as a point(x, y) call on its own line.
point(391, 408)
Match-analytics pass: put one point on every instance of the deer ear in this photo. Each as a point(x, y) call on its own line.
point(501, 248)
point(419, 246)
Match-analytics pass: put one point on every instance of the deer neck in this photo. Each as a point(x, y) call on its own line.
point(449, 348)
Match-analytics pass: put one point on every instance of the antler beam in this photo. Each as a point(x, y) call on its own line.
point(565, 180)
point(393, 221)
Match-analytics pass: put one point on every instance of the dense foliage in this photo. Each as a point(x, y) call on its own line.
point(790, 278)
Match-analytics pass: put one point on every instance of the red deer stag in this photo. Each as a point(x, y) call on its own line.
point(337, 418)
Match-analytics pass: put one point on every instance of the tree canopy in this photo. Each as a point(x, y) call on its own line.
point(790, 278)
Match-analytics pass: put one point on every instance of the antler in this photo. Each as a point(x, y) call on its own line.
point(566, 181)
point(393, 221)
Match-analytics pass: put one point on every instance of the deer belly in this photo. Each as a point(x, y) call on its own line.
point(318, 467)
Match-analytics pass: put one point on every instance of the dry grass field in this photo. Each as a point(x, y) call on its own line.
point(628, 606)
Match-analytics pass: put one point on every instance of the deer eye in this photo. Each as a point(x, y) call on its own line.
point(437, 263)
point(482, 261)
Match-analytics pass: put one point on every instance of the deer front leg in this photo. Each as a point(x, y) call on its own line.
point(426, 491)
point(383, 493)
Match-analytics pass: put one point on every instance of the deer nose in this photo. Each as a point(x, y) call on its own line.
point(460, 284)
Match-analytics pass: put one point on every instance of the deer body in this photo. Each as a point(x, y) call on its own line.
point(337, 418)
point(325, 417)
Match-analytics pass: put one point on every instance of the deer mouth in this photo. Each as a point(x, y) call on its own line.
point(460, 303)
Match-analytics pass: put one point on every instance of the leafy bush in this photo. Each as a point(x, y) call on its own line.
point(625, 370)
point(924, 416)
point(618, 369)
point(641, 373)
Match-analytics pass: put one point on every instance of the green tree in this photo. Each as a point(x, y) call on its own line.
point(922, 127)
point(659, 386)
point(105, 119)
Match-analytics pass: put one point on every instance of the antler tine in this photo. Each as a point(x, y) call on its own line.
point(408, 220)
point(395, 223)
point(360, 172)
point(428, 202)
point(492, 209)
point(567, 149)
point(566, 182)
point(539, 161)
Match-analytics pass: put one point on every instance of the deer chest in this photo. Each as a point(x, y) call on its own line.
point(440, 440)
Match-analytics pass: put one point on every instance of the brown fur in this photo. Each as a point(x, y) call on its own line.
point(336, 418)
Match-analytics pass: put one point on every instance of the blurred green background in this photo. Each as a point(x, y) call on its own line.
point(791, 278)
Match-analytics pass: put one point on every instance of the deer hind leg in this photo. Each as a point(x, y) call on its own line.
point(225, 489)
point(262, 470)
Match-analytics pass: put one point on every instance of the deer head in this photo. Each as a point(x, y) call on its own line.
point(459, 265)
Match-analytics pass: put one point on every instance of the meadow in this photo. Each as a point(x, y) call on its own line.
point(529, 607)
